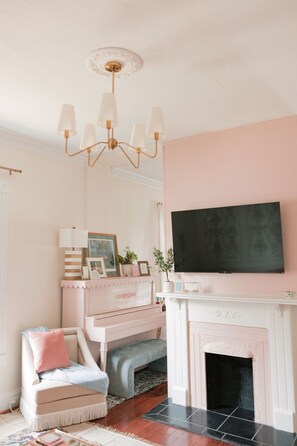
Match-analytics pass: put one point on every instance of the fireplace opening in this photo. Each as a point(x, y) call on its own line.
point(229, 382)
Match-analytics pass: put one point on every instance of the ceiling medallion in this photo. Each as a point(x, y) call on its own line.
point(97, 59)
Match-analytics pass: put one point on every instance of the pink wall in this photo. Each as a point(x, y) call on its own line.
point(251, 164)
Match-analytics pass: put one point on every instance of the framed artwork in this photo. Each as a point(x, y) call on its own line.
point(192, 287)
point(105, 245)
point(96, 267)
point(178, 286)
point(143, 267)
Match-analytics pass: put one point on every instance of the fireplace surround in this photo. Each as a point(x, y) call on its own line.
point(261, 328)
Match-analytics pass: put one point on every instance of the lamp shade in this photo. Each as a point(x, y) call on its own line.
point(108, 110)
point(138, 136)
point(88, 137)
point(73, 238)
point(67, 120)
point(155, 122)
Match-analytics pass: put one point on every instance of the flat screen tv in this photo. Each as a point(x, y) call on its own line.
point(232, 239)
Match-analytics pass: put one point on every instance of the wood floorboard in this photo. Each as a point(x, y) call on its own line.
point(128, 418)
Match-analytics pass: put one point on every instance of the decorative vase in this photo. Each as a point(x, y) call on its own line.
point(168, 287)
point(127, 270)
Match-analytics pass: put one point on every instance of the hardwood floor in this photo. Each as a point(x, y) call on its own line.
point(127, 418)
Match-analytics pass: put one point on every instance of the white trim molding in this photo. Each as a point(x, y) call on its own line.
point(10, 399)
point(136, 178)
point(3, 267)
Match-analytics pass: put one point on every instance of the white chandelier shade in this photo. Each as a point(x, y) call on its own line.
point(67, 121)
point(108, 111)
point(138, 136)
point(155, 123)
point(88, 138)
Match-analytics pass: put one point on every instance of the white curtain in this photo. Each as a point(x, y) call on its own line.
point(3, 267)
point(161, 226)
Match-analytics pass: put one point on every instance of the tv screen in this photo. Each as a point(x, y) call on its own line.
point(232, 239)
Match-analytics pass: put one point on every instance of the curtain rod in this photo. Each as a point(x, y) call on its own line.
point(10, 169)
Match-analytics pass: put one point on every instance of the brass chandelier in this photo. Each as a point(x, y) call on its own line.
point(112, 61)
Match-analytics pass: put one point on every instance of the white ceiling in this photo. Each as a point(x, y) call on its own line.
point(210, 64)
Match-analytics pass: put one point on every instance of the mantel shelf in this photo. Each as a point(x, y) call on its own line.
point(255, 299)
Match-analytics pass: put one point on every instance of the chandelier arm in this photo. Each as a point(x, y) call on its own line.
point(140, 151)
point(96, 159)
point(131, 161)
point(75, 153)
point(97, 144)
point(86, 149)
point(136, 149)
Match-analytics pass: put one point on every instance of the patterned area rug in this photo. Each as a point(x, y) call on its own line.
point(144, 380)
point(14, 431)
point(89, 432)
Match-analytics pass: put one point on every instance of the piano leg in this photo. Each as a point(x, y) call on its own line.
point(103, 355)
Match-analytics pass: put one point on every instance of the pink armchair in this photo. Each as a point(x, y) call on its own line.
point(46, 403)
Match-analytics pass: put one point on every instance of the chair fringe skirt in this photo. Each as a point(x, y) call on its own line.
point(63, 417)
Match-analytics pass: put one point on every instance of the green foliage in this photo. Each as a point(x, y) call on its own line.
point(164, 261)
point(129, 257)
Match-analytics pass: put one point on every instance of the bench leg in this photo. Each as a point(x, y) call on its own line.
point(103, 356)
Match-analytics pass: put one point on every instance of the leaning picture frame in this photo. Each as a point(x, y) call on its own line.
point(96, 267)
point(105, 245)
point(143, 267)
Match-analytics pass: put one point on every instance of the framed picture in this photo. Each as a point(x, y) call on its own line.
point(192, 287)
point(96, 267)
point(143, 267)
point(105, 245)
point(178, 286)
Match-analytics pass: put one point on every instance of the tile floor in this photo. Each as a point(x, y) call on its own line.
point(232, 425)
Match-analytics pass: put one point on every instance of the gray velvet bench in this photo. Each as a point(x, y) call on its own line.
point(122, 362)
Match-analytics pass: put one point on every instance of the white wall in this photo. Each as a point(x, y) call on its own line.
point(48, 195)
point(134, 216)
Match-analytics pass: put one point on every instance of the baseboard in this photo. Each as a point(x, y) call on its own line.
point(10, 400)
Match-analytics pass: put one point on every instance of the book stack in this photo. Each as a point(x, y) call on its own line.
point(54, 438)
point(49, 439)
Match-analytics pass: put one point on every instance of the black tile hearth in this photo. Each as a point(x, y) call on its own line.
point(268, 435)
point(178, 412)
point(241, 428)
point(207, 418)
point(246, 414)
point(231, 425)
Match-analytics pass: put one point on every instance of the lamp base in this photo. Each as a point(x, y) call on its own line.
point(73, 260)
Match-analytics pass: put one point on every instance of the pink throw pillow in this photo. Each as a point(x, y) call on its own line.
point(49, 350)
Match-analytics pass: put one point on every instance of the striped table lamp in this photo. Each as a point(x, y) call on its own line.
point(73, 239)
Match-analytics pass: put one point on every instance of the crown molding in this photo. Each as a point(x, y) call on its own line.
point(20, 141)
point(136, 178)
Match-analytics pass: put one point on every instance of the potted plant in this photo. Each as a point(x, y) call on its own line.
point(165, 263)
point(127, 260)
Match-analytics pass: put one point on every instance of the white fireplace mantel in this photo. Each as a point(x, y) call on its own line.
point(259, 323)
point(257, 298)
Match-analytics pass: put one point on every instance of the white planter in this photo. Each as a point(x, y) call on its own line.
point(168, 287)
point(127, 270)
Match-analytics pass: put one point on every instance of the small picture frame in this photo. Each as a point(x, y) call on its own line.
point(85, 272)
point(96, 267)
point(143, 267)
point(178, 286)
point(192, 287)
